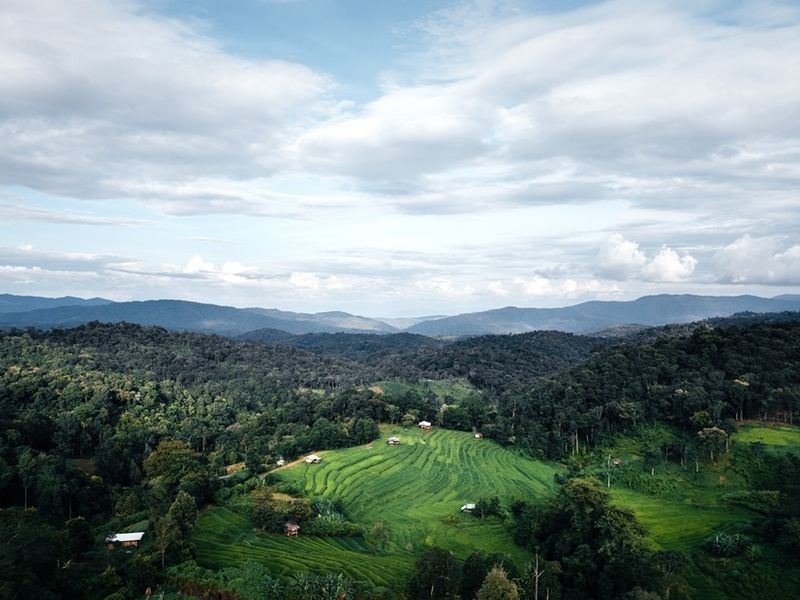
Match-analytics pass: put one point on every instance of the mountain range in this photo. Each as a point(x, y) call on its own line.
point(593, 316)
point(271, 324)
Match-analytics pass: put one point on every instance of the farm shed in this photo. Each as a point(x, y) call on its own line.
point(292, 529)
point(313, 459)
point(469, 507)
point(125, 540)
point(393, 441)
point(424, 424)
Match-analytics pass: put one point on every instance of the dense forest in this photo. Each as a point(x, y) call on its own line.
point(107, 423)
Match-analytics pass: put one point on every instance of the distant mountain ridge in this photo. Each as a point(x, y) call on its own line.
point(10, 303)
point(584, 318)
point(598, 315)
point(193, 316)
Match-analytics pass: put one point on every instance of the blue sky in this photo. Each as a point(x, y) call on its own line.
point(398, 158)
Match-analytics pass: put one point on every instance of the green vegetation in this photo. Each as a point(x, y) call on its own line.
point(443, 389)
point(777, 438)
point(677, 523)
point(415, 489)
point(225, 539)
point(113, 428)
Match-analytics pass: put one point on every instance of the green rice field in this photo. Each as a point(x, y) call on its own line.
point(223, 538)
point(416, 489)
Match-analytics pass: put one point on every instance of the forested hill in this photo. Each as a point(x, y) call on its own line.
point(314, 361)
point(541, 388)
point(710, 378)
point(365, 346)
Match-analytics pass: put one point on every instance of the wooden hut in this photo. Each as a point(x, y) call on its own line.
point(126, 540)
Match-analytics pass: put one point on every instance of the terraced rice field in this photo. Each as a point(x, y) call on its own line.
point(777, 438)
point(224, 539)
point(416, 489)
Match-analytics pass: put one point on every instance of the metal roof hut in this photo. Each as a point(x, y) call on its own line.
point(393, 441)
point(126, 540)
point(292, 529)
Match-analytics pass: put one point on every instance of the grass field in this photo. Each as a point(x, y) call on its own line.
point(685, 518)
point(416, 489)
point(776, 438)
point(677, 523)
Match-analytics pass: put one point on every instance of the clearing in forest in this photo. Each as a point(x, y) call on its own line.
point(776, 438)
point(415, 489)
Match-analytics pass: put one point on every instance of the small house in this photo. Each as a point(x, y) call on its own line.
point(313, 459)
point(393, 441)
point(280, 462)
point(425, 425)
point(126, 540)
point(479, 436)
point(469, 507)
point(292, 529)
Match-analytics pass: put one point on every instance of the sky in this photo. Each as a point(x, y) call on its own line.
point(399, 158)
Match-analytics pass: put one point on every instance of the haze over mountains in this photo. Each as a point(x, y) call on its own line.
point(271, 324)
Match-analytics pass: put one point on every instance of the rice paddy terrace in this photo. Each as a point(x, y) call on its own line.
point(415, 489)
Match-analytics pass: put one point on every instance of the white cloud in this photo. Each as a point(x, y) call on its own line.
point(669, 266)
point(95, 95)
point(564, 288)
point(103, 99)
point(322, 284)
point(444, 286)
point(498, 289)
point(21, 211)
point(196, 264)
point(620, 257)
point(758, 260)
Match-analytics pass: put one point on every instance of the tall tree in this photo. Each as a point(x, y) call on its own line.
point(497, 586)
point(436, 575)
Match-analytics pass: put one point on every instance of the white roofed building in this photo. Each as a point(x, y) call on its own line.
point(131, 539)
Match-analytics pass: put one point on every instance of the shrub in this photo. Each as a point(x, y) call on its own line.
point(727, 545)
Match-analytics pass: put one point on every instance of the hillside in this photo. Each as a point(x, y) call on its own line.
point(415, 489)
